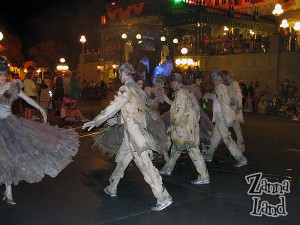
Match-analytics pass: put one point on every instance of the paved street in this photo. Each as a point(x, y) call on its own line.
point(76, 197)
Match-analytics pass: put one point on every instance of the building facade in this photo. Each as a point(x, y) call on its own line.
point(232, 33)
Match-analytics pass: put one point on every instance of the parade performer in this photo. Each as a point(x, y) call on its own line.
point(29, 150)
point(165, 69)
point(236, 103)
point(137, 141)
point(223, 117)
point(184, 129)
point(109, 139)
point(206, 126)
point(156, 95)
point(143, 67)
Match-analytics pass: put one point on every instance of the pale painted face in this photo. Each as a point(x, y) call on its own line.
point(216, 82)
point(140, 83)
point(123, 77)
point(198, 82)
point(162, 84)
point(226, 78)
point(175, 85)
point(3, 76)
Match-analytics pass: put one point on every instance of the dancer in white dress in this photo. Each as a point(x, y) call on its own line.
point(29, 150)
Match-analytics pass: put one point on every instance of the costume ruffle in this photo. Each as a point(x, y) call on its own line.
point(109, 139)
point(30, 150)
point(157, 128)
point(205, 125)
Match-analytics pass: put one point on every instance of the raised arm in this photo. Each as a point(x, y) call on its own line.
point(167, 100)
point(33, 103)
point(120, 100)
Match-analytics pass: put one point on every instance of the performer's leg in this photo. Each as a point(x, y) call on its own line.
point(231, 145)
point(166, 152)
point(214, 142)
point(152, 177)
point(238, 132)
point(169, 166)
point(199, 163)
point(7, 195)
point(123, 159)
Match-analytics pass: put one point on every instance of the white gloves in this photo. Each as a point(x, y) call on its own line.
point(90, 125)
point(208, 96)
point(170, 129)
point(112, 121)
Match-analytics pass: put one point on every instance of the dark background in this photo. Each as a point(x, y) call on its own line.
point(61, 20)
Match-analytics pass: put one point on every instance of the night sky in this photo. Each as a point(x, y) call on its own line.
point(62, 20)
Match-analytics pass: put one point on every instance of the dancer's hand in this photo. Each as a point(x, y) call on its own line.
point(206, 96)
point(112, 121)
point(170, 129)
point(90, 125)
point(44, 115)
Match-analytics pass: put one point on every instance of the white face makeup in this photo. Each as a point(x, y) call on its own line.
point(162, 84)
point(175, 85)
point(140, 83)
point(3, 76)
point(123, 77)
point(198, 82)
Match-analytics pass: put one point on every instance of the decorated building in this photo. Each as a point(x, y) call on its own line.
point(132, 29)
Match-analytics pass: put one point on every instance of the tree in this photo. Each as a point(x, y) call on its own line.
point(11, 48)
point(47, 53)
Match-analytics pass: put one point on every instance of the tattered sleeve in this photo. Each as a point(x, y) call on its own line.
point(120, 100)
point(238, 94)
point(179, 108)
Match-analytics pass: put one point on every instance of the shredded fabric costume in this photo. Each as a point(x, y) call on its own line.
point(205, 124)
point(137, 141)
point(30, 150)
point(184, 125)
point(109, 139)
point(155, 124)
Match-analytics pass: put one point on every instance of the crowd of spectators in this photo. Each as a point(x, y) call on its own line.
point(58, 94)
point(94, 90)
point(92, 56)
point(259, 100)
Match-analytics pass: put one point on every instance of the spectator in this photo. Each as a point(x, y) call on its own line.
point(69, 112)
point(58, 93)
point(256, 96)
point(248, 106)
point(67, 85)
point(75, 87)
point(262, 106)
point(30, 89)
point(46, 96)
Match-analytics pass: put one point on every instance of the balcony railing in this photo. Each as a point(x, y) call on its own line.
point(217, 46)
point(243, 46)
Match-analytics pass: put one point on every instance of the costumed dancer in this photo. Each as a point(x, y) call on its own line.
point(137, 141)
point(236, 103)
point(29, 150)
point(143, 67)
point(223, 117)
point(184, 129)
point(206, 126)
point(165, 69)
point(156, 95)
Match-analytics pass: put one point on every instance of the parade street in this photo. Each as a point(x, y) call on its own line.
point(76, 196)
